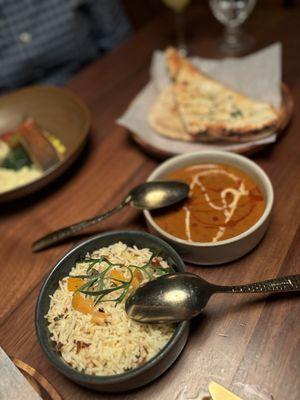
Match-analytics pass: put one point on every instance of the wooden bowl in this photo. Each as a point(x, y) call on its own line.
point(57, 110)
point(252, 147)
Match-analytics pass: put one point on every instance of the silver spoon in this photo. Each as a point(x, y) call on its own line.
point(182, 296)
point(147, 196)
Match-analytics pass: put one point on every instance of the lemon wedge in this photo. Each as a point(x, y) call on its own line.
point(218, 392)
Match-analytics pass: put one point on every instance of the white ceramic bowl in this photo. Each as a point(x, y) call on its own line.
point(225, 250)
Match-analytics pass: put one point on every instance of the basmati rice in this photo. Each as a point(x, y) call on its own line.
point(120, 344)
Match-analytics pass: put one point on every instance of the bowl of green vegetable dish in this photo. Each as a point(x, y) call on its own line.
point(81, 322)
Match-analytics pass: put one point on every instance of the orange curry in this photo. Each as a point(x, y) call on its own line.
point(223, 202)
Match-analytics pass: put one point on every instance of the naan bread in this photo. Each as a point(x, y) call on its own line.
point(207, 107)
point(164, 118)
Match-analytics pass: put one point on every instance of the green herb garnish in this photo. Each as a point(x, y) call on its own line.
point(99, 283)
point(16, 159)
point(236, 113)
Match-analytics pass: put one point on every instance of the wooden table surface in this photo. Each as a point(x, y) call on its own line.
point(250, 345)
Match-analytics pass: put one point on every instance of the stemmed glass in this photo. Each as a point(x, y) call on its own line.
point(178, 6)
point(232, 14)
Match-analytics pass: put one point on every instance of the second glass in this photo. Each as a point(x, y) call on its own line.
point(232, 14)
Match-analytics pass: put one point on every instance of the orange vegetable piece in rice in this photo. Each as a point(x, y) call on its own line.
point(135, 283)
point(138, 275)
point(81, 304)
point(117, 275)
point(74, 284)
point(99, 317)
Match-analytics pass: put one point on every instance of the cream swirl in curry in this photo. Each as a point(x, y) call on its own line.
point(223, 202)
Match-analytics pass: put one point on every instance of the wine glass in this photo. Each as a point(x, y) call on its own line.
point(178, 6)
point(232, 13)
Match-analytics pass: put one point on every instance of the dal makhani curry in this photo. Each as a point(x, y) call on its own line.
point(223, 202)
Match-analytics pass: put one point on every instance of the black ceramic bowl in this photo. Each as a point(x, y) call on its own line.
point(136, 377)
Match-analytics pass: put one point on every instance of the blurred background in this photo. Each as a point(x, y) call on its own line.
point(49, 41)
point(142, 12)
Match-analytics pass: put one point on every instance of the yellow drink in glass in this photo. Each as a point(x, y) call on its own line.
point(177, 5)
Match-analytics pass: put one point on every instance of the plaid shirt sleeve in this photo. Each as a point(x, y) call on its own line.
point(47, 41)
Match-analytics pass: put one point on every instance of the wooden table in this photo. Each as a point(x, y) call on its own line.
point(250, 345)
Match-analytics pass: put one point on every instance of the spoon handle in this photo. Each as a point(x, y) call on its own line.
point(63, 233)
point(281, 284)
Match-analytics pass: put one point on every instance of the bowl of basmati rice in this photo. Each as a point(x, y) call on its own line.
point(81, 322)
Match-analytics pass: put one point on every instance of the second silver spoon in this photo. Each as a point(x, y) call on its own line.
point(147, 196)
